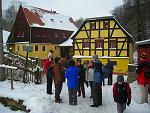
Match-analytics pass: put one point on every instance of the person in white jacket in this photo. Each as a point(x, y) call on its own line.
point(90, 75)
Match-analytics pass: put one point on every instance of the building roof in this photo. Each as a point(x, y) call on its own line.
point(144, 42)
point(104, 18)
point(38, 17)
point(68, 42)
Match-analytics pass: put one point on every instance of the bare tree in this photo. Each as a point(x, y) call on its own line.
point(9, 15)
point(134, 17)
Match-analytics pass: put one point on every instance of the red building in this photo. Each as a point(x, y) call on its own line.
point(143, 46)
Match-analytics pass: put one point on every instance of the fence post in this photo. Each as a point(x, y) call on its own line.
point(12, 79)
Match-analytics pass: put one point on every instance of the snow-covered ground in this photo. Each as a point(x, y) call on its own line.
point(38, 101)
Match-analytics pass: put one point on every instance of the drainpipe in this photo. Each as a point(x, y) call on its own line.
point(30, 34)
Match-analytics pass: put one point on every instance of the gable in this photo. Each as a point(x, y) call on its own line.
point(20, 25)
point(114, 29)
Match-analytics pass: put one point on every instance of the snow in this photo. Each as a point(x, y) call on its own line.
point(38, 101)
point(76, 56)
point(59, 21)
point(67, 43)
point(7, 66)
point(143, 42)
point(99, 48)
point(22, 42)
point(5, 36)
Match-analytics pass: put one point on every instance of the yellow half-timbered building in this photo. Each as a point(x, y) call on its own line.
point(105, 37)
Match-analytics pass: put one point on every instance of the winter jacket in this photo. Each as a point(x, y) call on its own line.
point(58, 75)
point(140, 71)
point(72, 77)
point(110, 66)
point(46, 64)
point(90, 74)
point(98, 74)
point(121, 93)
point(50, 72)
point(81, 73)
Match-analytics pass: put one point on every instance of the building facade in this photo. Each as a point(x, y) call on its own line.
point(105, 37)
point(41, 29)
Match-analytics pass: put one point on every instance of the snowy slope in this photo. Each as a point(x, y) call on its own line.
point(39, 102)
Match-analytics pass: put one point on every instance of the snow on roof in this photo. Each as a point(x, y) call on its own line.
point(5, 36)
point(143, 42)
point(38, 17)
point(75, 56)
point(67, 43)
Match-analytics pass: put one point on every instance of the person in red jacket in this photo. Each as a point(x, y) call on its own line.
point(47, 69)
point(46, 63)
point(121, 94)
point(142, 80)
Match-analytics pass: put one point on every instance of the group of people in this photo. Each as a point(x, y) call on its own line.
point(90, 74)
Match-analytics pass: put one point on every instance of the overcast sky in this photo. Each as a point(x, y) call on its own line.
point(74, 8)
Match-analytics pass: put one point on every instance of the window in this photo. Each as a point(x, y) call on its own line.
point(93, 25)
point(44, 36)
point(52, 20)
point(86, 43)
point(22, 34)
point(106, 24)
point(56, 35)
point(24, 48)
point(38, 34)
point(18, 35)
point(43, 48)
point(112, 44)
point(64, 35)
point(99, 44)
point(36, 47)
point(17, 48)
point(148, 30)
point(55, 47)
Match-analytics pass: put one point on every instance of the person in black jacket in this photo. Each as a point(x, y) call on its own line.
point(81, 78)
point(110, 67)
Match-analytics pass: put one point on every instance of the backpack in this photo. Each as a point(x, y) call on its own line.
point(123, 97)
point(147, 71)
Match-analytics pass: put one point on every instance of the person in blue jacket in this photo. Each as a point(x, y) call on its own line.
point(97, 85)
point(72, 82)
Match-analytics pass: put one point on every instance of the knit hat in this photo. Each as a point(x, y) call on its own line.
point(95, 57)
point(143, 55)
point(120, 78)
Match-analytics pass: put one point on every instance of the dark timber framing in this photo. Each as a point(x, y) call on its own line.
point(97, 21)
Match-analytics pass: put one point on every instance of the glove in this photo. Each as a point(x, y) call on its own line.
point(128, 103)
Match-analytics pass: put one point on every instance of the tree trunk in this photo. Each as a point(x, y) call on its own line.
point(2, 76)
